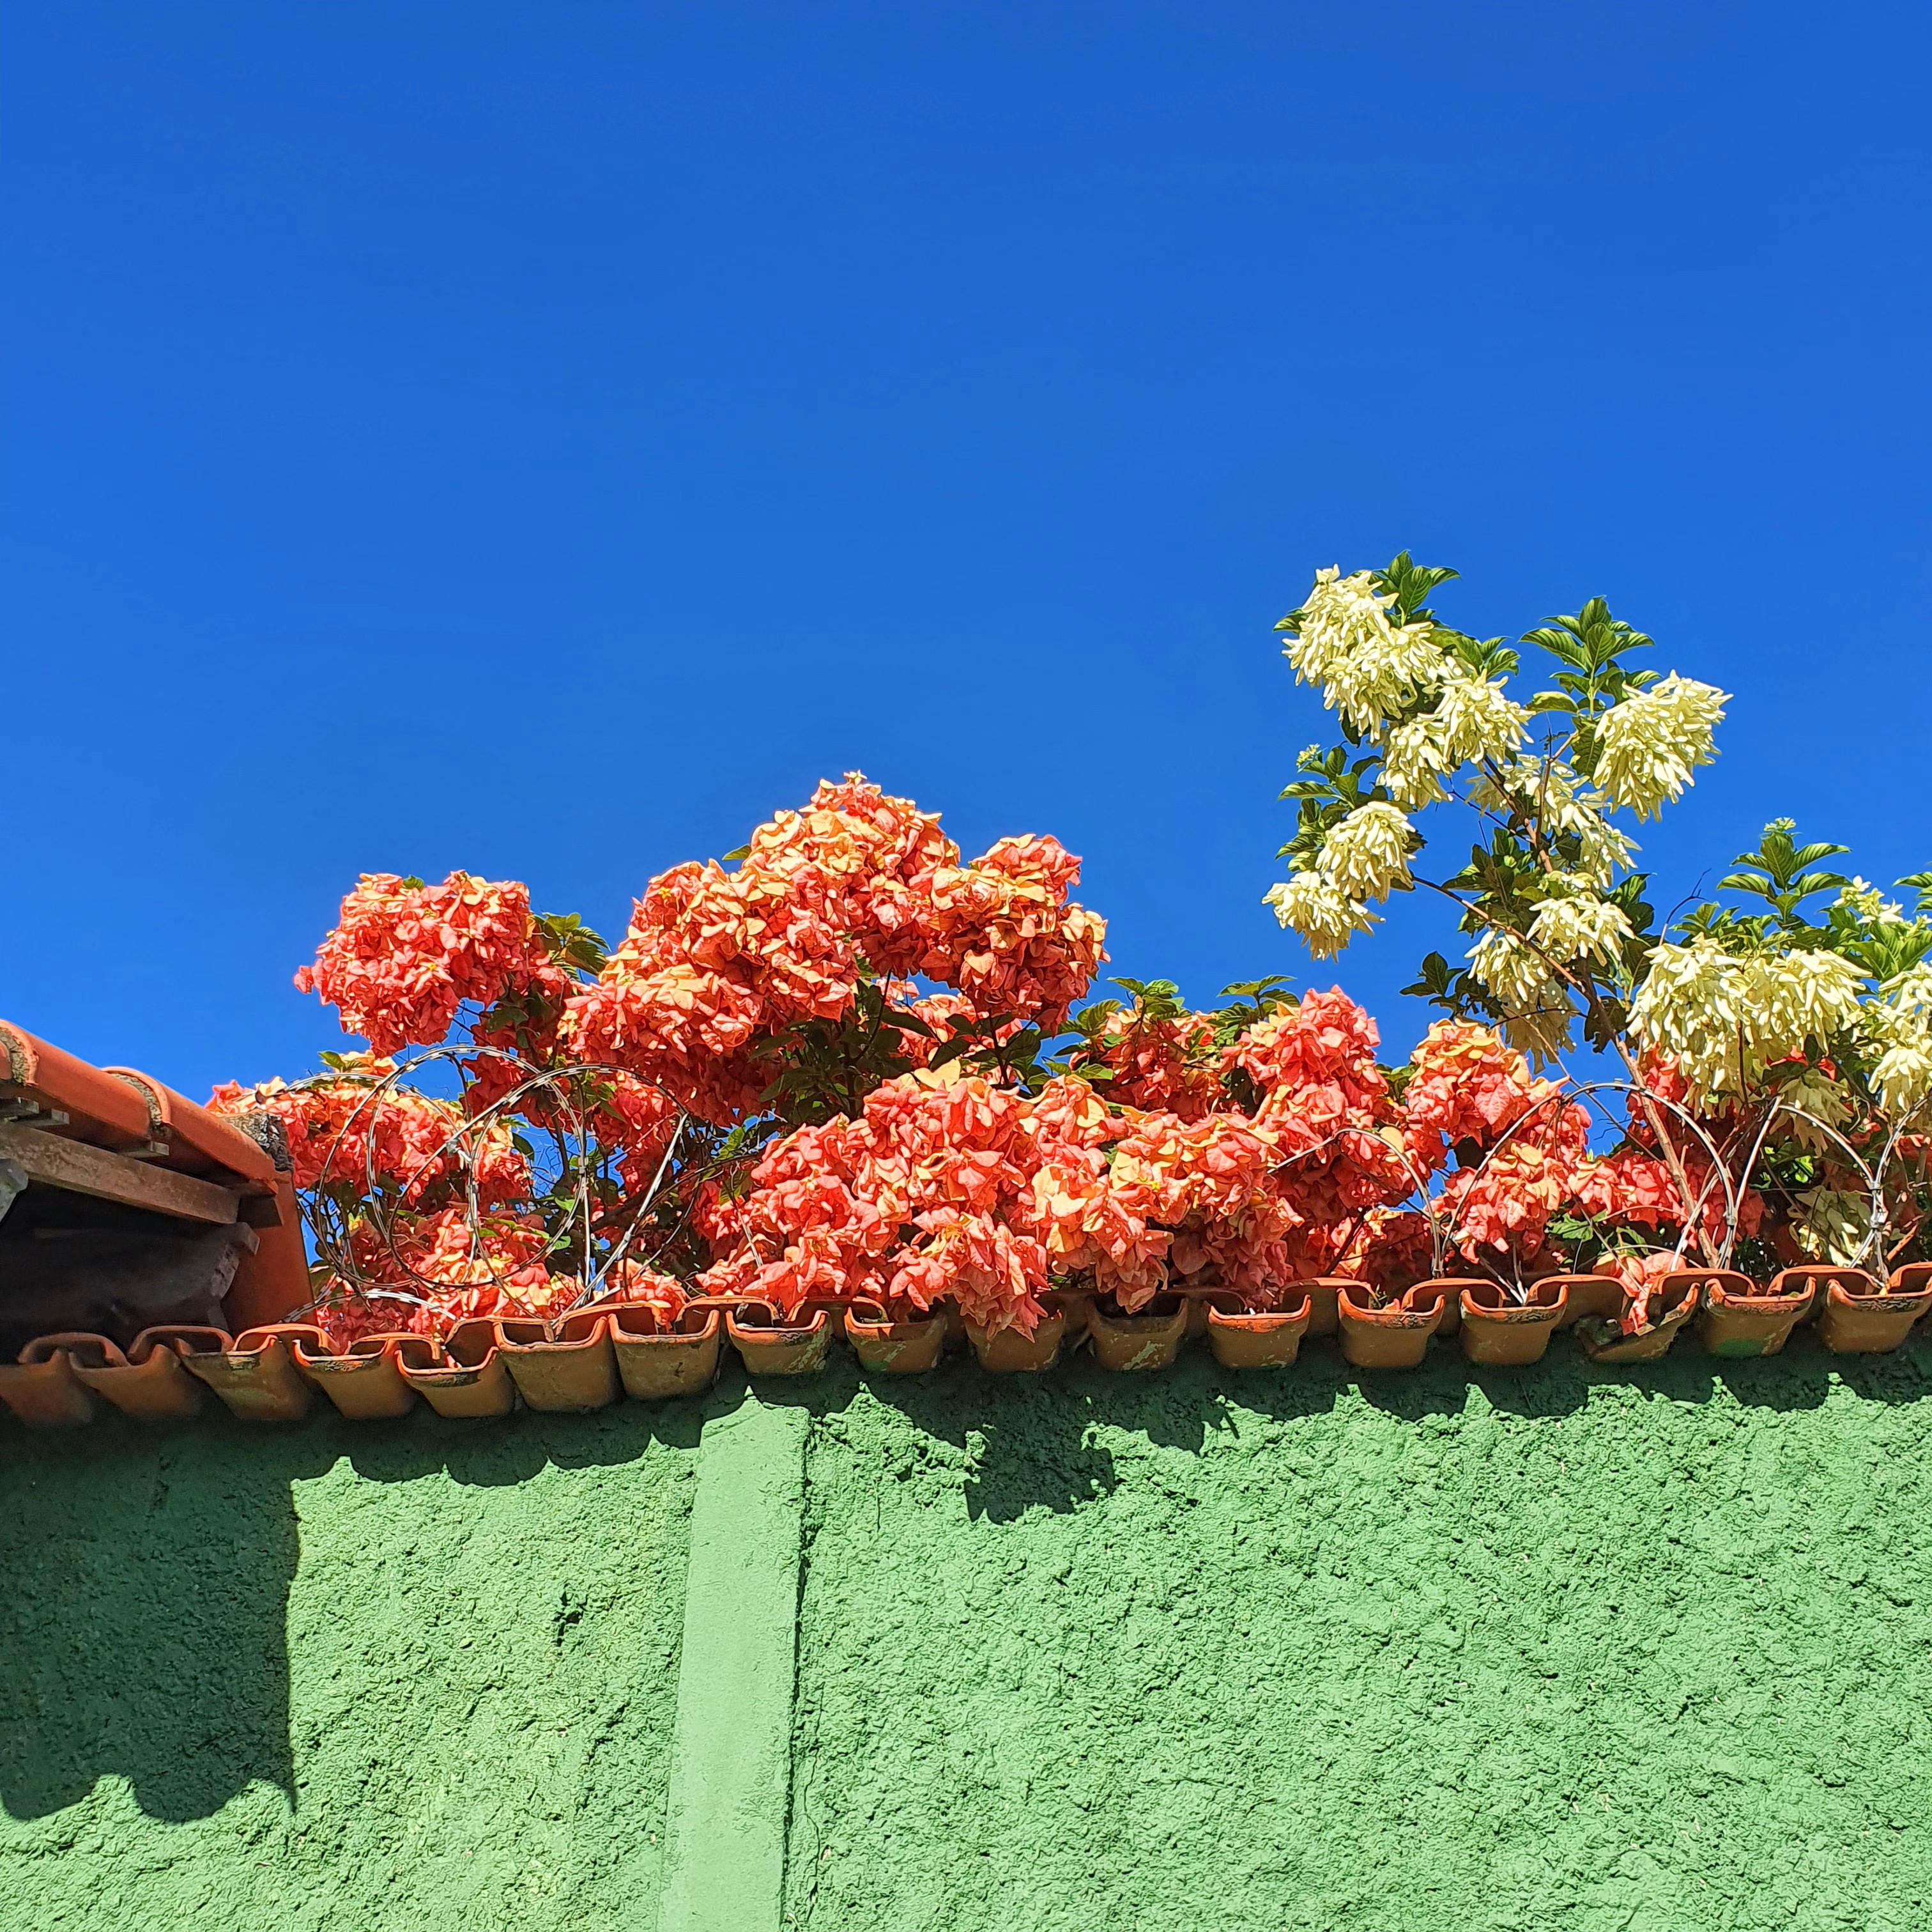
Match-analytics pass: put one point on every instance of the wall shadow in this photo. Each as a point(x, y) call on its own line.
point(143, 1617)
point(1037, 1441)
point(145, 1573)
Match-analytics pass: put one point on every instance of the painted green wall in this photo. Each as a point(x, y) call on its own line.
point(340, 1677)
point(1647, 1648)
point(1650, 1650)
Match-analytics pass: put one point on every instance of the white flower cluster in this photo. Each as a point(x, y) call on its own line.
point(1687, 1006)
point(1649, 743)
point(1903, 1073)
point(1368, 668)
point(1317, 909)
point(1724, 1019)
point(1896, 1027)
point(1871, 905)
point(1366, 855)
point(1585, 927)
point(1817, 1103)
point(1414, 759)
point(1605, 850)
point(1475, 720)
point(1550, 789)
point(1833, 1226)
point(1537, 1011)
point(1511, 969)
point(1480, 720)
point(1542, 1031)
point(1794, 997)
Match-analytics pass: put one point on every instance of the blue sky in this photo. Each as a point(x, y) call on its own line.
point(545, 439)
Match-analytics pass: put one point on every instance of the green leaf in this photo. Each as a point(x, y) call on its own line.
point(1409, 583)
point(1889, 950)
point(1435, 977)
point(1591, 643)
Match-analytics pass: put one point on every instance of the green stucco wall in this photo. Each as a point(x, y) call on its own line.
point(341, 1677)
point(1647, 1648)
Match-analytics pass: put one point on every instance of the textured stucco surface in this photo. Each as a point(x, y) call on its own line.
point(1646, 1649)
point(340, 1677)
point(1561, 1648)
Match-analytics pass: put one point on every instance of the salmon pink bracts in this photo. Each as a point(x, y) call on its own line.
point(1504, 1205)
point(1467, 1085)
point(521, 1023)
point(498, 1256)
point(1153, 1060)
point(1324, 1038)
point(404, 956)
point(1325, 1105)
point(428, 1272)
point(1641, 1275)
point(1003, 931)
point(1393, 1249)
point(350, 1132)
point(718, 965)
point(634, 1285)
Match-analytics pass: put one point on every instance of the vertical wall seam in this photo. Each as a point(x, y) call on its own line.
point(728, 1817)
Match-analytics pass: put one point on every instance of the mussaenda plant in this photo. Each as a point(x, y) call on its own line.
point(845, 1062)
point(956, 1187)
point(851, 1068)
point(608, 1103)
point(1776, 1061)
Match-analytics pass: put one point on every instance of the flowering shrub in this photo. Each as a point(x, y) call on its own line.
point(847, 1062)
point(351, 1130)
point(404, 956)
point(994, 1195)
point(608, 1105)
point(1150, 1054)
point(1774, 1056)
point(719, 968)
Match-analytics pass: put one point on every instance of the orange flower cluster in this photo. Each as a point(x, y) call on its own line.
point(420, 1275)
point(502, 1256)
point(1393, 1249)
point(1529, 1162)
point(1168, 1066)
point(717, 961)
point(942, 1012)
point(1505, 1205)
point(345, 1132)
point(635, 1286)
point(959, 1188)
point(404, 956)
point(924, 1194)
point(1467, 1085)
point(1003, 931)
point(1203, 1201)
point(525, 1023)
point(1634, 1187)
point(1641, 1276)
point(1326, 1103)
point(1525, 1146)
